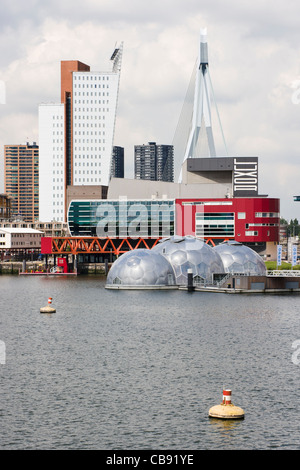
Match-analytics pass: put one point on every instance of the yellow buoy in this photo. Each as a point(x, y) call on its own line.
point(226, 410)
point(48, 309)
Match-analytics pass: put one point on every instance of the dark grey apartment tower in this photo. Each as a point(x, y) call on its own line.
point(154, 162)
point(165, 163)
point(117, 162)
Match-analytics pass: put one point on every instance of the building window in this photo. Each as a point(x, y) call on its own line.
point(241, 215)
point(251, 233)
point(267, 214)
point(215, 224)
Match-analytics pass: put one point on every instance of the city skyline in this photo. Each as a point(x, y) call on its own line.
point(258, 101)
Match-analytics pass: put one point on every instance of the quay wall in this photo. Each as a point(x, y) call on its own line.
point(14, 267)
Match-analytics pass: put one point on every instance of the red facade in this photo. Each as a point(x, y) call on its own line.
point(246, 220)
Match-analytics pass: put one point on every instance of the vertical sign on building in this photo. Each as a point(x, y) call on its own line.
point(294, 255)
point(279, 254)
point(245, 176)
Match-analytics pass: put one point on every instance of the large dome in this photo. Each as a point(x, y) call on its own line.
point(239, 258)
point(140, 267)
point(189, 252)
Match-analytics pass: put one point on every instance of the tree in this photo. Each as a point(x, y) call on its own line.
point(293, 228)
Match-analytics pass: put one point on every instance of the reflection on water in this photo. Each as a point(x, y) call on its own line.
point(225, 427)
point(141, 369)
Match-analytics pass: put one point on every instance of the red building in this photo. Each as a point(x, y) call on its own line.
point(252, 221)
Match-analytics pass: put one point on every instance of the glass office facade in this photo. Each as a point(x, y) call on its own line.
point(122, 218)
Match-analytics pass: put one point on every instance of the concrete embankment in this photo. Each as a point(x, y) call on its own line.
point(14, 267)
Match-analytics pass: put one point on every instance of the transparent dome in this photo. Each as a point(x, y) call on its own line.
point(141, 267)
point(189, 252)
point(239, 258)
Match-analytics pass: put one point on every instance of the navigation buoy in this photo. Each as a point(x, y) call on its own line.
point(48, 308)
point(226, 410)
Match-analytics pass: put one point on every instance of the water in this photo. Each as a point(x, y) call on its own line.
point(140, 369)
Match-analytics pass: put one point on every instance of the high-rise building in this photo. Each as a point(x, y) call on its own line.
point(21, 180)
point(165, 163)
point(117, 162)
point(76, 135)
point(153, 162)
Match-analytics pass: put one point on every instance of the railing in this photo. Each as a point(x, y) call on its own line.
point(284, 273)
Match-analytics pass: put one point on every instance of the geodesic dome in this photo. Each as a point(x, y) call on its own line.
point(185, 253)
point(141, 267)
point(239, 258)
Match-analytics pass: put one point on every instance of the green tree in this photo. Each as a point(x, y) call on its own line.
point(294, 227)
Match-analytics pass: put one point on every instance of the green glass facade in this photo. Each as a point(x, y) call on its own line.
point(122, 218)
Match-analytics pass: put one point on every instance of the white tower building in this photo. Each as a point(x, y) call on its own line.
point(76, 136)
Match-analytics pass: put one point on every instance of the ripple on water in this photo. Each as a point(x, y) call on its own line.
point(140, 370)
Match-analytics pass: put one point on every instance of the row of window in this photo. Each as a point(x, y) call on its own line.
point(78, 172)
point(91, 77)
point(22, 243)
point(22, 235)
point(79, 141)
point(96, 132)
point(212, 224)
point(61, 164)
point(89, 149)
point(90, 86)
point(78, 93)
point(95, 124)
point(261, 225)
point(87, 180)
point(87, 116)
point(207, 203)
point(91, 101)
point(267, 214)
point(95, 110)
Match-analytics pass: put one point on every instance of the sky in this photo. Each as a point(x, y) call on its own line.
point(254, 63)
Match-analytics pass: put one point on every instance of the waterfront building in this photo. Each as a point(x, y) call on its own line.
point(76, 135)
point(255, 222)
point(49, 229)
point(21, 179)
point(121, 218)
point(153, 162)
point(20, 239)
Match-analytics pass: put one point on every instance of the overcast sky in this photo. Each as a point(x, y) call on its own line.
point(254, 57)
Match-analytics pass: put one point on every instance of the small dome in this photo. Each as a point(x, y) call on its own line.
point(141, 267)
point(239, 258)
point(189, 252)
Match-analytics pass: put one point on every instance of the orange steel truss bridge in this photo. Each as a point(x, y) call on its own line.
point(93, 245)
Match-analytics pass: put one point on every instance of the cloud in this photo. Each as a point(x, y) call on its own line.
point(254, 50)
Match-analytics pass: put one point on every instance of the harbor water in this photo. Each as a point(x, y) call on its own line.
point(141, 369)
